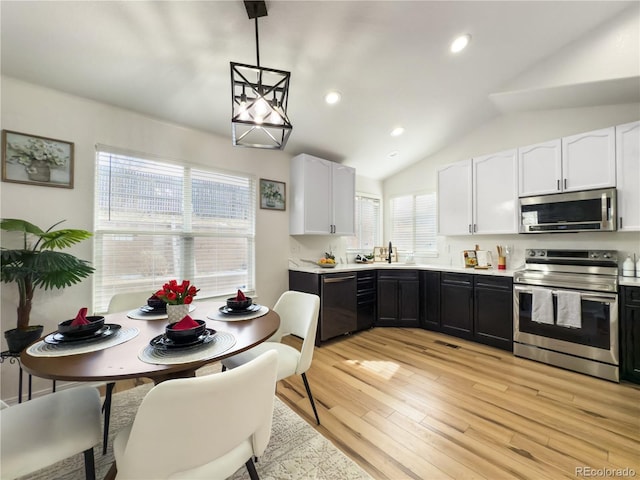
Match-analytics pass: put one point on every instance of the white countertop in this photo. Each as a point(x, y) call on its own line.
point(351, 267)
point(629, 281)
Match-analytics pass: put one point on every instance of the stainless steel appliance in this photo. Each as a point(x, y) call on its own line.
point(585, 211)
point(590, 348)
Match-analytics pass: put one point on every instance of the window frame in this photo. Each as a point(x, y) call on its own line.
point(378, 234)
point(433, 240)
point(185, 237)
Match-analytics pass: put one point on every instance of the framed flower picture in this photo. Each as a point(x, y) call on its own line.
point(36, 160)
point(272, 194)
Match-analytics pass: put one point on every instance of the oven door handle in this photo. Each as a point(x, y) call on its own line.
point(583, 295)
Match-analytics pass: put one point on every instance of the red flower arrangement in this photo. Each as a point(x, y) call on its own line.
point(174, 293)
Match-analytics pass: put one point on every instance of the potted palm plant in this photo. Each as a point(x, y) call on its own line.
point(38, 264)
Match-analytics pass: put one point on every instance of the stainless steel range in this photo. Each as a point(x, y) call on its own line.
point(566, 310)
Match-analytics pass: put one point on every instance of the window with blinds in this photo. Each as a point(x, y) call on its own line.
point(367, 220)
point(156, 221)
point(414, 223)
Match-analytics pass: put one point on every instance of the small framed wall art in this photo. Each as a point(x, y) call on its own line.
point(36, 160)
point(272, 194)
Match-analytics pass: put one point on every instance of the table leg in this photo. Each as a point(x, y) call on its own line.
point(106, 408)
point(185, 374)
point(20, 386)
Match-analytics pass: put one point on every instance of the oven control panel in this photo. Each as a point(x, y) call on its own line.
point(584, 257)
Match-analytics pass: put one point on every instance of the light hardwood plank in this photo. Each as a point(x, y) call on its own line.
point(409, 403)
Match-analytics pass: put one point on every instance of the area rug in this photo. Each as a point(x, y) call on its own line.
point(295, 452)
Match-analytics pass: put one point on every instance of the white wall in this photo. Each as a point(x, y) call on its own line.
point(511, 131)
point(31, 109)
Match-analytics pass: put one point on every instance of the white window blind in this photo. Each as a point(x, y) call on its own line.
point(413, 223)
point(367, 220)
point(156, 221)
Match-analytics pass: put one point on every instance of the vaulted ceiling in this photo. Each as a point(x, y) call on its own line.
point(390, 60)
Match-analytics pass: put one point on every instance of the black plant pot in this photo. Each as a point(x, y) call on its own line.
point(18, 340)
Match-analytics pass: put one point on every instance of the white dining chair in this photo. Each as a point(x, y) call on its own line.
point(201, 427)
point(127, 301)
point(48, 429)
point(120, 302)
point(298, 313)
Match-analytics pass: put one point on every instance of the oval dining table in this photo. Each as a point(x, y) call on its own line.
point(121, 362)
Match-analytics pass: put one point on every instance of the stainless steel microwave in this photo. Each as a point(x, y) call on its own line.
point(584, 211)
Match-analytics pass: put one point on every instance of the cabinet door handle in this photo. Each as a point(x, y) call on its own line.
point(558, 184)
point(469, 228)
point(620, 226)
point(475, 228)
point(338, 279)
point(565, 183)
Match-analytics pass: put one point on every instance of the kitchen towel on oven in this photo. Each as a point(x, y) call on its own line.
point(569, 310)
point(542, 308)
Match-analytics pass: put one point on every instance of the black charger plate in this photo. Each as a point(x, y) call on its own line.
point(148, 309)
point(161, 342)
point(57, 338)
point(231, 311)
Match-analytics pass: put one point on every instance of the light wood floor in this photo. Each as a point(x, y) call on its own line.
point(408, 403)
point(413, 404)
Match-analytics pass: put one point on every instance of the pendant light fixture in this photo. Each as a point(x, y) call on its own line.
point(259, 98)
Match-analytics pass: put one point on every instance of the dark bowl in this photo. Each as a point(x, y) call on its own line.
point(186, 334)
point(95, 324)
point(156, 303)
point(234, 304)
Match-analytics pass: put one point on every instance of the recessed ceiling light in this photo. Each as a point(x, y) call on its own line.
point(393, 154)
point(396, 132)
point(460, 43)
point(332, 97)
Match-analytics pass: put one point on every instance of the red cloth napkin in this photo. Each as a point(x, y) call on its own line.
point(240, 296)
point(186, 322)
point(81, 318)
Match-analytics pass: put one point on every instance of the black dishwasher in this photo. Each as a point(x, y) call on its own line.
point(339, 308)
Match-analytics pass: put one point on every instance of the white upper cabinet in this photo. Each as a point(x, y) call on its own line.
point(589, 160)
point(322, 197)
point(479, 196)
point(585, 161)
point(540, 168)
point(344, 198)
point(628, 176)
point(495, 193)
point(455, 213)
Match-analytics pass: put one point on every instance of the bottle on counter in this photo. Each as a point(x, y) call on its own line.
point(628, 267)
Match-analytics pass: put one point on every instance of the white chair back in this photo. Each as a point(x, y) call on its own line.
point(298, 313)
point(185, 427)
point(127, 301)
point(48, 429)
